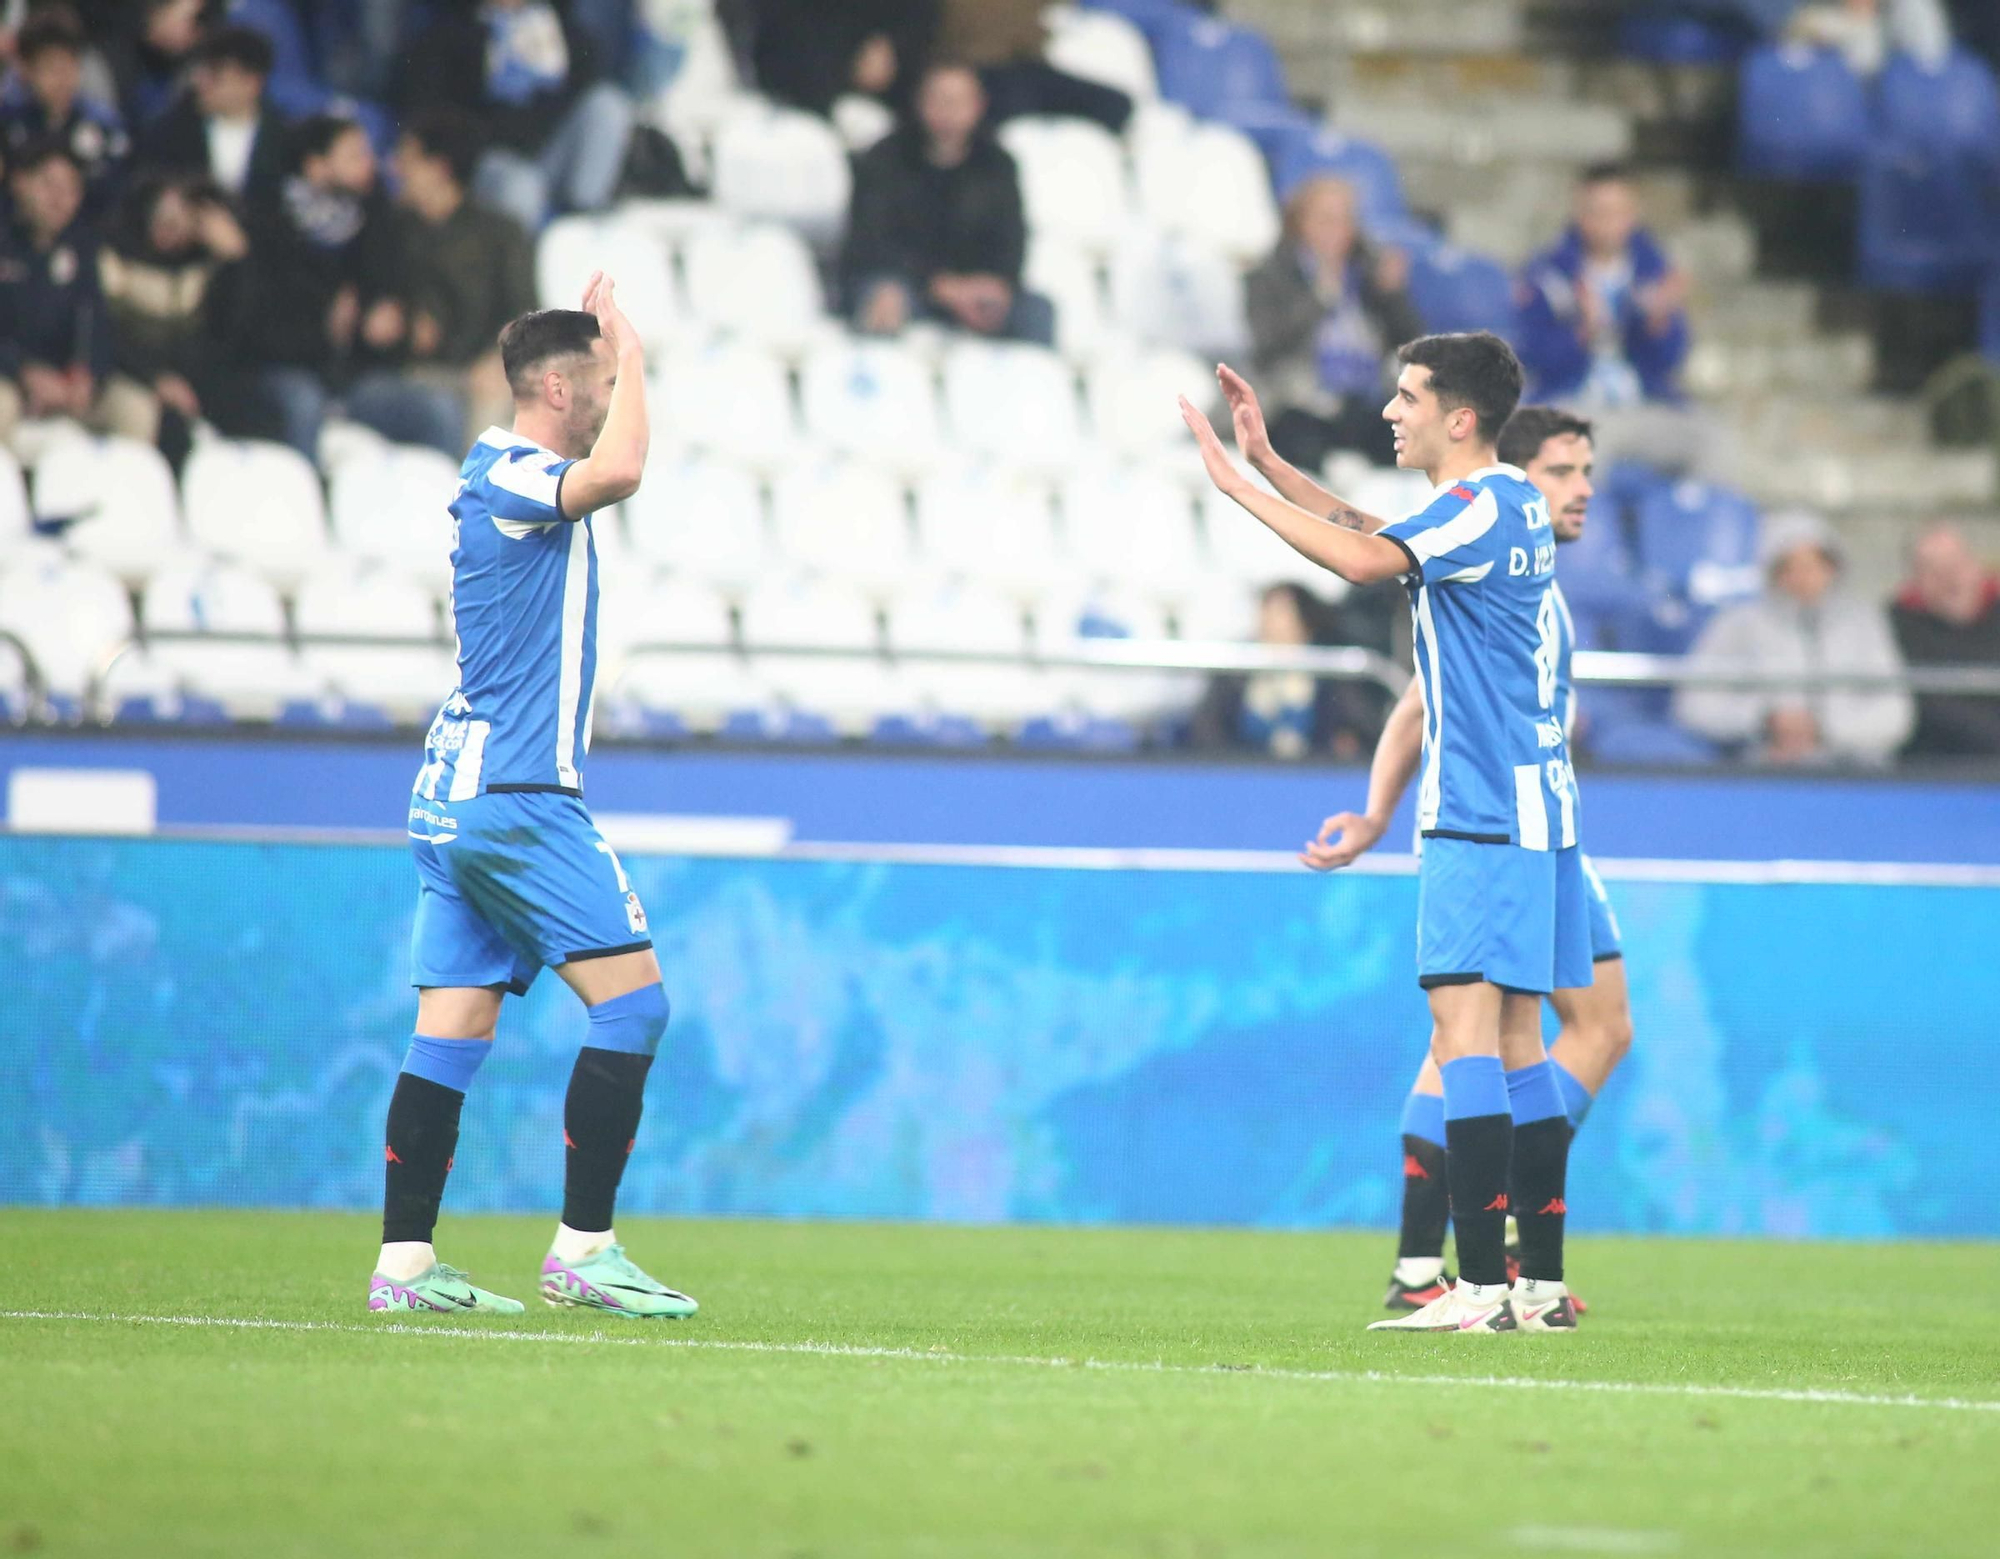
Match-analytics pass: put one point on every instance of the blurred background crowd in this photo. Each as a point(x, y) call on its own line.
point(923, 277)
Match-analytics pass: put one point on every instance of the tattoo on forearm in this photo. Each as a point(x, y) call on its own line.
point(1349, 518)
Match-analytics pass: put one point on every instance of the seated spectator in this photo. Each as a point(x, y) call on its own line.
point(463, 271)
point(1327, 312)
point(1290, 714)
point(1804, 623)
point(321, 293)
point(49, 52)
point(936, 229)
point(55, 351)
point(222, 129)
point(148, 51)
point(810, 54)
point(558, 132)
point(1603, 317)
point(1949, 615)
point(174, 249)
point(1868, 31)
point(1005, 41)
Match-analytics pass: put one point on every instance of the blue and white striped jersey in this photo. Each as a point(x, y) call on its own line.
point(1565, 682)
point(1489, 632)
point(524, 613)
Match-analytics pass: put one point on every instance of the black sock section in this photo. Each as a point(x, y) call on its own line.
point(607, 1091)
point(422, 1135)
point(1426, 1198)
point(1478, 1149)
point(1541, 1165)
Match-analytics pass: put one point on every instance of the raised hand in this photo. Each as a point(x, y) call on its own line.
point(1215, 459)
point(600, 299)
point(1343, 839)
point(1252, 436)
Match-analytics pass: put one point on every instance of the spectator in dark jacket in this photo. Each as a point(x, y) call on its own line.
point(1604, 312)
point(1327, 311)
point(222, 128)
point(55, 351)
point(321, 296)
point(1006, 41)
point(1949, 615)
point(149, 50)
point(1290, 714)
point(809, 53)
point(174, 250)
point(464, 271)
point(558, 131)
point(936, 229)
point(49, 50)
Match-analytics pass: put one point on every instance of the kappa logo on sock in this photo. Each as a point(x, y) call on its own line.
point(629, 1146)
point(389, 1155)
point(1497, 1205)
point(1556, 1205)
point(1412, 1170)
point(568, 1141)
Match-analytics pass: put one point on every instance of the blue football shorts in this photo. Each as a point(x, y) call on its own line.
point(1511, 917)
point(511, 884)
point(1605, 941)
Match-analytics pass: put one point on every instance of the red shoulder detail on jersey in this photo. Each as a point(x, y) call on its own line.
point(1462, 491)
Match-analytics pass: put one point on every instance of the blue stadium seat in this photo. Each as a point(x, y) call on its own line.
point(291, 53)
point(1616, 732)
point(172, 709)
point(1801, 115)
point(1600, 577)
point(1697, 546)
point(1455, 289)
point(936, 731)
point(1927, 223)
point(1667, 35)
point(1950, 112)
point(1155, 18)
point(1088, 733)
point(1211, 67)
point(1366, 166)
point(308, 714)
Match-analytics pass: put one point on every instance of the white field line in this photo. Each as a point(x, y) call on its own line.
point(1017, 1361)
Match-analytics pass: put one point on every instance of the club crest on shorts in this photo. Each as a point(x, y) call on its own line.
point(635, 912)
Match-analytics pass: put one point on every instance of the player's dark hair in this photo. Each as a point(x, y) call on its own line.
point(1605, 173)
point(449, 135)
point(1475, 369)
point(40, 151)
point(228, 45)
point(529, 343)
point(1533, 426)
point(317, 135)
point(51, 27)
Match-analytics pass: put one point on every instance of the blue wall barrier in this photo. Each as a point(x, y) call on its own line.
point(201, 1022)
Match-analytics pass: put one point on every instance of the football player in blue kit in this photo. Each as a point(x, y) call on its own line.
point(512, 875)
point(1501, 899)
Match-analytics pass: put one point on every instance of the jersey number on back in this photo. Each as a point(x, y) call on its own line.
point(1549, 651)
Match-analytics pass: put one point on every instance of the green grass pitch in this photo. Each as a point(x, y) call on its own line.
point(862, 1390)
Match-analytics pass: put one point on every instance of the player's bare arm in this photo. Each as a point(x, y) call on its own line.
point(1357, 557)
point(611, 472)
point(1346, 836)
point(1253, 437)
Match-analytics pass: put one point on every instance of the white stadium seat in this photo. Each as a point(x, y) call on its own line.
point(409, 681)
point(758, 282)
point(861, 121)
point(1213, 185)
point(1065, 620)
point(1134, 402)
point(1073, 182)
point(1013, 402)
point(258, 503)
point(1218, 610)
point(250, 679)
point(118, 495)
point(637, 258)
point(1102, 46)
point(729, 397)
point(1131, 524)
point(16, 519)
point(701, 517)
point(873, 398)
point(986, 523)
point(965, 615)
point(1242, 548)
point(394, 509)
point(1175, 290)
point(782, 165)
point(843, 519)
point(702, 687)
point(71, 615)
point(1067, 275)
point(850, 691)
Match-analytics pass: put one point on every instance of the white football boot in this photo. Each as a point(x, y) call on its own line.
point(1468, 1307)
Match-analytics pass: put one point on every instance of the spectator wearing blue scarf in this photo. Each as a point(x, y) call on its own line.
point(1603, 320)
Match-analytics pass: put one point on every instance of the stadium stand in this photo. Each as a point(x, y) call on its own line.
point(811, 487)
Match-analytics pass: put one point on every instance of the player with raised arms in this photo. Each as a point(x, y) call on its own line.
point(1501, 918)
point(1554, 448)
point(512, 874)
